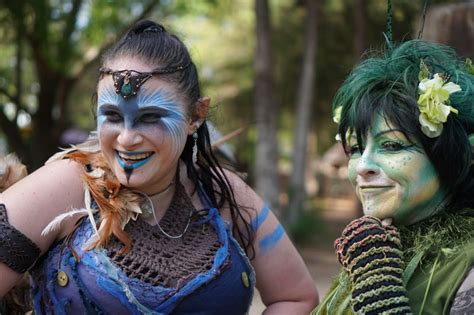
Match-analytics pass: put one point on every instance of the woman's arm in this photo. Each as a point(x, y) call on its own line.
point(464, 301)
point(32, 203)
point(284, 282)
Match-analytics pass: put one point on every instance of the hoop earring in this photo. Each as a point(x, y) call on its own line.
point(195, 148)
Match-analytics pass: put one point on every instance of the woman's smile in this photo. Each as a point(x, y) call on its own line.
point(133, 159)
point(375, 189)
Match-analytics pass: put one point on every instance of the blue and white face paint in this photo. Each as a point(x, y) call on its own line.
point(147, 131)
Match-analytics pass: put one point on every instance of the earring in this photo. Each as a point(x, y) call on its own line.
point(195, 148)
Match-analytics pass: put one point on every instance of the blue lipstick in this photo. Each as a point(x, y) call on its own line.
point(135, 165)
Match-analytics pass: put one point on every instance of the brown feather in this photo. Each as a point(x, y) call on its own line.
point(11, 171)
point(117, 204)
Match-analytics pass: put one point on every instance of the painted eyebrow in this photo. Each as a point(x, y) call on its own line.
point(107, 106)
point(381, 133)
point(156, 97)
point(153, 109)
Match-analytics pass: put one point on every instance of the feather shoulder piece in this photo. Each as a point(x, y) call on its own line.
point(11, 171)
point(55, 224)
point(91, 145)
point(116, 204)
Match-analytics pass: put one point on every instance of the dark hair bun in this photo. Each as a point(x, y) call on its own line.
point(146, 26)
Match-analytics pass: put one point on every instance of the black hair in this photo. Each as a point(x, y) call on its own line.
point(387, 84)
point(155, 46)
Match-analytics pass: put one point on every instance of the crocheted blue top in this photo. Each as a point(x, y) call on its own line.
point(97, 285)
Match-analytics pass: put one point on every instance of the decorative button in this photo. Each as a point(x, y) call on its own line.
point(245, 279)
point(62, 278)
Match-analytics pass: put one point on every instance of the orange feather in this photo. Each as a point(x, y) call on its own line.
point(117, 204)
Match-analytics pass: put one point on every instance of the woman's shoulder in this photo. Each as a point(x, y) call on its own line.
point(58, 178)
point(38, 198)
point(57, 174)
point(244, 195)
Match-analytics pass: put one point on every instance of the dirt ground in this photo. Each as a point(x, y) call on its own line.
point(319, 256)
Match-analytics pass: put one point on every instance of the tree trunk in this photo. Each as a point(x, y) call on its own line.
point(360, 28)
point(55, 79)
point(46, 133)
point(457, 29)
point(266, 166)
point(305, 98)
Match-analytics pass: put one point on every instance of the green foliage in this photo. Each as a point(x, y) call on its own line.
point(47, 47)
point(308, 228)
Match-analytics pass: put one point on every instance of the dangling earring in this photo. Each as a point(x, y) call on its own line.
point(195, 148)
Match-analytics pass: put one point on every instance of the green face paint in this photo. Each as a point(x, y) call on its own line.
point(393, 178)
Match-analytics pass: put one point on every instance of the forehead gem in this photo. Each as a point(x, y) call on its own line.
point(126, 86)
point(127, 82)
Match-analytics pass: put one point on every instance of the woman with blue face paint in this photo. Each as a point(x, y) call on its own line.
point(406, 121)
point(142, 219)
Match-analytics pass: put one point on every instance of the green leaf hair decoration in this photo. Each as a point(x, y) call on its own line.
point(469, 66)
point(424, 72)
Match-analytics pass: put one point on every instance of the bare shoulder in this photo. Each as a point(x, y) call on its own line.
point(35, 200)
point(244, 195)
point(464, 301)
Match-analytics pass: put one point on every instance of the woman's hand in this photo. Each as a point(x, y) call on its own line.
point(370, 251)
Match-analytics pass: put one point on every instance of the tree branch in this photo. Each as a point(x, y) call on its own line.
point(19, 65)
point(12, 132)
point(70, 24)
point(92, 60)
point(8, 95)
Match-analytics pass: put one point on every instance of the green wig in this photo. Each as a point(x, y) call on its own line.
point(387, 82)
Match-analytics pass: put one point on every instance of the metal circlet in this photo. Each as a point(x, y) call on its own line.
point(127, 82)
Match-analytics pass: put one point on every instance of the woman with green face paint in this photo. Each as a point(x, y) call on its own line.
point(406, 120)
point(142, 219)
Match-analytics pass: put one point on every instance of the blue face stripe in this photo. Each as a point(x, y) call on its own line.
point(130, 108)
point(262, 216)
point(173, 117)
point(270, 240)
point(174, 120)
point(105, 96)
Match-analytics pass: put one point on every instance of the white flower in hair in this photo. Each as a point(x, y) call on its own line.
point(432, 102)
point(337, 115)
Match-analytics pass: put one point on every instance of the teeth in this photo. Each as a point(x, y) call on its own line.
point(134, 157)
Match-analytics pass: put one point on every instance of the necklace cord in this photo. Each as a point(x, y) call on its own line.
point(158, 223)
